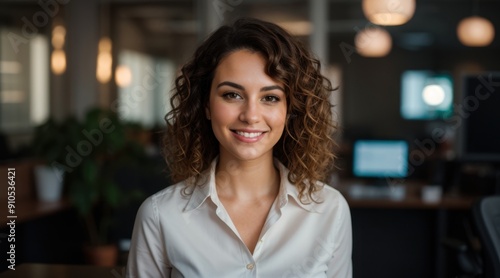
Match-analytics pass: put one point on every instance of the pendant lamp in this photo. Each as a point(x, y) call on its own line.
point(373, 42)
point(475, 31)
point(388, 12)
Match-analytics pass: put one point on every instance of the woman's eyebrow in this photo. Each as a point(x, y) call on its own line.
point(273, 87)
point(231, 84)
point(239, 87)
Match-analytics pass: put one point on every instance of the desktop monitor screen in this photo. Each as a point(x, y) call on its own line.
point(380, 158)
point(479, 118)
point(426, 95)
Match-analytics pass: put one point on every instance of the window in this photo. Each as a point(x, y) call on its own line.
point(24, 83)
point(144, 85)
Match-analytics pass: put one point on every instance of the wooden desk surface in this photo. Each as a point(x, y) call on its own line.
point(412, 199)
point(27, 206)
point(28, 209)
point(63, 271)
point(411, 202)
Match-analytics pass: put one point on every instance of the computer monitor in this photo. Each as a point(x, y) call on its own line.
point(479, 118)
point(380, 159)
point(426, 95)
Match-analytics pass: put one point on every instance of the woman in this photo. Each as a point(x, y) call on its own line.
point(249, 138)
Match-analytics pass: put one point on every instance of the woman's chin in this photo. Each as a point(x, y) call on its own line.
point(250, 155)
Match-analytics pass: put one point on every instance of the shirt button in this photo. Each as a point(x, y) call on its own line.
point(250, 266)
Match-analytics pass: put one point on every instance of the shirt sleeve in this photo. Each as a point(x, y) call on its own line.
point(147, 256)
point(340, 266)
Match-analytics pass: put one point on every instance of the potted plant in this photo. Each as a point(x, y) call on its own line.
point(48, 146)
point(92, 186)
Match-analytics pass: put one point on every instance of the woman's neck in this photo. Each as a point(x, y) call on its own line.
point(247, 180)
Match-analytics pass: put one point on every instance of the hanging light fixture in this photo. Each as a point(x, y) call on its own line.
point(58, 61)
point(388, 12)
point(104, 61)
point(373, 42)
point(58, 36)
point(475, 31)
point(123, 76)
point(58, 56)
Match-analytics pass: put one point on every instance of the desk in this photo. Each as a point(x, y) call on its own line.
point(28, 207)
point(412, 199)
point(63, 271)
point(392, 237)
point(31, 208)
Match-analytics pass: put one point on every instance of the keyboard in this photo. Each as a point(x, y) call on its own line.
point(364, 191)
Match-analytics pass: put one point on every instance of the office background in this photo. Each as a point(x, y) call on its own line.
point(76, 62)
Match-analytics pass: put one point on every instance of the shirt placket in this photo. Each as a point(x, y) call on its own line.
point(249, 266)
point(249, 260)
point(272, 218)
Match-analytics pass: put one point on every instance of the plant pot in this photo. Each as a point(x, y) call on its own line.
point(49, 183)
point(101, 255)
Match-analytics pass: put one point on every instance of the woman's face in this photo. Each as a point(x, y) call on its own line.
point(247, 108)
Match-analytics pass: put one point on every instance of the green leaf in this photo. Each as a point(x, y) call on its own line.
point(90, 171)
point(133, 195)
point(82, 196)
point(111, 194)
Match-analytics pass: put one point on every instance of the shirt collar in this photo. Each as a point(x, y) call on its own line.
point(206, 188)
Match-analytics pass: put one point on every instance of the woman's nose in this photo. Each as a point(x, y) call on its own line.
point(250, 112)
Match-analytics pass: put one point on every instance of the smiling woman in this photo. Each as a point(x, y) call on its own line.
point(247, 108)
point(249, 140)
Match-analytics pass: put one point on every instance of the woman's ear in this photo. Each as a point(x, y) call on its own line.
point(207, 112)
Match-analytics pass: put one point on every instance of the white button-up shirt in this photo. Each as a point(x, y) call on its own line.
point(179, 235)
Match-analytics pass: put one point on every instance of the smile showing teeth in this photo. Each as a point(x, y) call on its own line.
point(249, 134)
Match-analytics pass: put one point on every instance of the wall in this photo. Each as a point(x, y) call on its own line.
point(371, 86)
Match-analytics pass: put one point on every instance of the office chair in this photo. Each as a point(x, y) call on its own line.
point(486, 215)
point(468, 259)
point(472, 262)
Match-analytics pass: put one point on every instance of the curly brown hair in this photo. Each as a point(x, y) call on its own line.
point(306, 147)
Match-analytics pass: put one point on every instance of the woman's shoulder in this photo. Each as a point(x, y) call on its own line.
point(330, 198)
point(171, 196)
point(329, 191)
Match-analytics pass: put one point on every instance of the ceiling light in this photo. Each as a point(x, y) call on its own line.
point(104, 61)
point(58, 61)
point(123, 76)
point(389, 12)
point(373, 42)
point(58, 36)
point(433, 94)
point(475, 31)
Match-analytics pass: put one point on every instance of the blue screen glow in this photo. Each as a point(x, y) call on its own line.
point(380, 158)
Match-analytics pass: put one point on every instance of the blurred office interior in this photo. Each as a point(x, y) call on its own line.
point(423, 89)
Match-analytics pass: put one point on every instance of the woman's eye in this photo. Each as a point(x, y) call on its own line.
point(271, 99)
point(231, 95)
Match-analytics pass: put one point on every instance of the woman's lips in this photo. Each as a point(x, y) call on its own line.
point(248, 136)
